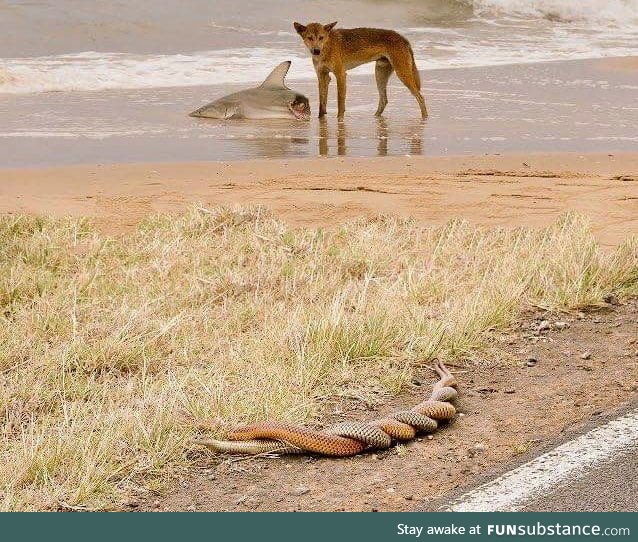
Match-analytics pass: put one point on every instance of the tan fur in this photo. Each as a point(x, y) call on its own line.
point(339, 50)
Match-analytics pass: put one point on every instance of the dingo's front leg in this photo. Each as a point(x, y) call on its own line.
point(341, 93)
point(324, 81)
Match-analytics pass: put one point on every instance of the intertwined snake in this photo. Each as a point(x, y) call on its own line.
point(347, 438)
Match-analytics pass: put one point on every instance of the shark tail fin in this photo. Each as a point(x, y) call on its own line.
point(277, 76)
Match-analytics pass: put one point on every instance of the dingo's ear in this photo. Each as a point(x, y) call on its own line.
point(299, 28)
point(329, 27)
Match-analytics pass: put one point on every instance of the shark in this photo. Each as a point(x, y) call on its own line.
point(270, 100)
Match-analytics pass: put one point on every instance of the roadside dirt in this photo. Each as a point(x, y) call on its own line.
point(563, 371)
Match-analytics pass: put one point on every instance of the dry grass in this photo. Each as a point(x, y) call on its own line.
point(113, 350)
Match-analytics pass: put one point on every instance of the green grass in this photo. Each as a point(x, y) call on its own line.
point(113, 351)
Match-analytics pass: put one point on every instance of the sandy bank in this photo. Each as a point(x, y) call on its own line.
point(494, 190)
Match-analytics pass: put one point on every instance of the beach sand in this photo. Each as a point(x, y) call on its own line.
point(490, 190)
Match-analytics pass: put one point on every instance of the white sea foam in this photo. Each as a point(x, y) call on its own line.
point(98, 71)
point(616, 11)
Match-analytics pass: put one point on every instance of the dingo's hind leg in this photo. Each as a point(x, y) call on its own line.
point(403, 63)
point(382, 71)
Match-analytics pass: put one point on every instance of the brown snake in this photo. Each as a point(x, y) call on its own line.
point(347, 438)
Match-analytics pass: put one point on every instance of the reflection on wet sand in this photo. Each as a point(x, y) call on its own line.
point(408, 137)
point(272, 138)
point(323, 137)
point(278, 147)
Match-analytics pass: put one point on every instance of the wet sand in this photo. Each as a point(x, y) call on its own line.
point(563, 106)
point(489, 190)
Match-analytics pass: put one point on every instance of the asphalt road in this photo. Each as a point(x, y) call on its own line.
point(593, 470)
point(610, 487)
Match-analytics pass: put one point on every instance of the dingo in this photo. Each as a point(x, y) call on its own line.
point(342, 49)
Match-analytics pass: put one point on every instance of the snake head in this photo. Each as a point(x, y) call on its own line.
point(447, 378)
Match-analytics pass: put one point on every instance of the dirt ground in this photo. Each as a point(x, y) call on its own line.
point(489, 190)
point(564, 370)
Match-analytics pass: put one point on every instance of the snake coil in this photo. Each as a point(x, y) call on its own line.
point(346, 438)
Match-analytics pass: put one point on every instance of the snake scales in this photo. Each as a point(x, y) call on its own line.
point(347, 438)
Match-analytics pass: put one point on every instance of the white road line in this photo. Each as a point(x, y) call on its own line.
point(512, 490)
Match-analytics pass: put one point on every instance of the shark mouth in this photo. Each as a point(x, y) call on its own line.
point(301, 110)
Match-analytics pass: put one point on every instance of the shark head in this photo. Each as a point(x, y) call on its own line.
point(300, 107)
point(270, 100)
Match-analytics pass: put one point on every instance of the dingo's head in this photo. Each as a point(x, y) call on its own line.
point(315, 36)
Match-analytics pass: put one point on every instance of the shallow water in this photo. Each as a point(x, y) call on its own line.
point(113, 81)
point(558, 106)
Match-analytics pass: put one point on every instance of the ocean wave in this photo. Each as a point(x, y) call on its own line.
point(483, 42)
point(599, 11)
point(92, 71)
point(88, 71)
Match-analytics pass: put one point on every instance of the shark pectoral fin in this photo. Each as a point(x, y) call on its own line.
point(209, 111)
point(232, 111)
point(277, 76)
point(217, 110)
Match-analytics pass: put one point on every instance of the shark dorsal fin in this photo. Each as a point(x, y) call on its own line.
point(277, 76)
